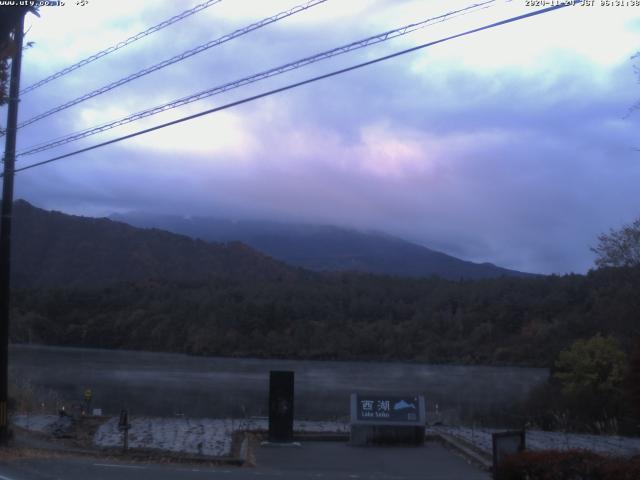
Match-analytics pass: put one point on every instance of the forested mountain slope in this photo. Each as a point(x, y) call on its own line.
point(325, 247)
point(56, 249)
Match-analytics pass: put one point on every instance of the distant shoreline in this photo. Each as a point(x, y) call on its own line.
point(39, 346)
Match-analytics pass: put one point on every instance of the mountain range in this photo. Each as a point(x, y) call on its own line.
point(56, 249)
point(53, 249)
point(324, 247)
point(99, 283)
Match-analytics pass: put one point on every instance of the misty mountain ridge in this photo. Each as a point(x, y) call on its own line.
point(324, 247)
point(54, 249)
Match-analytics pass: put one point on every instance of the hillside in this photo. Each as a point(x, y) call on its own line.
point(348, 316)
point(55, 249)
point(325, 248)
point(100, 283)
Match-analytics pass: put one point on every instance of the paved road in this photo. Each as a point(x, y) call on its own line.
point(320, 461)
point(336, 460)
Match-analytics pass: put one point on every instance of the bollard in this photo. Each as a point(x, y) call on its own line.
point(124, 425)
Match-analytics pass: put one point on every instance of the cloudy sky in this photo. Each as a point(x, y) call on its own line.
point(514, 146)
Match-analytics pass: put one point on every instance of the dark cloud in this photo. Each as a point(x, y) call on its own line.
point(516, 162)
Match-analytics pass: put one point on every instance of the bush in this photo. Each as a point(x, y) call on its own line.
point(24, 397)
point(567, 465)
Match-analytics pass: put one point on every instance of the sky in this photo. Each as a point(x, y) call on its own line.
point(516, 145)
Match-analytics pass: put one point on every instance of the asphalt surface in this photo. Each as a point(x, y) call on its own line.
point(317, 460)
point(339, 460)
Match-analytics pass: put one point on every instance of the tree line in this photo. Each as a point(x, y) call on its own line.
point(346, 316)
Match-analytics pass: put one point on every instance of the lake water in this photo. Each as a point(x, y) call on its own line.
point(172, 384)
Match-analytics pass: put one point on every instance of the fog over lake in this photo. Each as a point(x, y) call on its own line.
point(173, 384)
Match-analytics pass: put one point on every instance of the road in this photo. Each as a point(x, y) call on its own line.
point(319, 460)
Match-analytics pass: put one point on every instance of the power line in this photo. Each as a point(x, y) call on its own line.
point(122, 44)
point(298, 84)
point(175, 59)
point(374, 39)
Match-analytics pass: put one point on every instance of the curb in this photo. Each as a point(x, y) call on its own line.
point(321, 437)
point(462, 447)
point(245, 450)
point(136, 455)
point(161, 456)
point(44, 445)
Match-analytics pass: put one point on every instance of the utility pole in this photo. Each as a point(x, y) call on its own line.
point(5, 226)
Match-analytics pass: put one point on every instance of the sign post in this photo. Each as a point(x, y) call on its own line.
point(124, 426)
point(387, 419)
point(507, 443)
point(86, 407)
point(6, 215)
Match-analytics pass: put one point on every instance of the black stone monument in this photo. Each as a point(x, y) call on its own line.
point(281, 406)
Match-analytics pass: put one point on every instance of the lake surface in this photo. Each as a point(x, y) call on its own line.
point(172, 384)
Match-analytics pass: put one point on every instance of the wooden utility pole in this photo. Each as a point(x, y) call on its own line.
point(5, 226)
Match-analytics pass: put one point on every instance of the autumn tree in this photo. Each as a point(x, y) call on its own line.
point(593, 365)
point(619, 248)
point(5, 55)
point(633, 379)
point(591, 375)
point(636, 68)
point(9, 18)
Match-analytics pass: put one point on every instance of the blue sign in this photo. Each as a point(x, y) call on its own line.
point(387, 408)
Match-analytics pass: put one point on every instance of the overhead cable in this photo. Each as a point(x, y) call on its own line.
point(381, 37)
point(119, 45)
point(296, 84)
point(178, 58)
